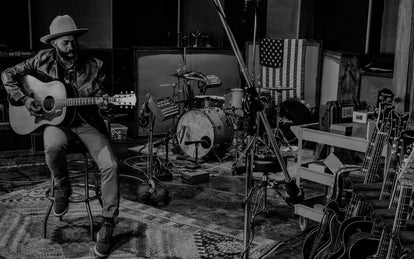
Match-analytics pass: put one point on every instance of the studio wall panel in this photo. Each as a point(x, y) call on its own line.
point(14, 20)
point(93, 14)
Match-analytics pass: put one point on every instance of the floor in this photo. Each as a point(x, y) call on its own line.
point(217, 200)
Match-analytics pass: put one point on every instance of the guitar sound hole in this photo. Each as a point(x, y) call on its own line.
point(49, 104)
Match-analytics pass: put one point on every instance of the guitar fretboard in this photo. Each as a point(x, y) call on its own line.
point(79, 101)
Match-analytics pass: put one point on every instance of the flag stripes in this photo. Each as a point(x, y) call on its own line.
point(283, 66)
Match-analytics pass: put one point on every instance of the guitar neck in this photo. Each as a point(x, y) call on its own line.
point(401, 217)
point(373, 164)
point(79, 101)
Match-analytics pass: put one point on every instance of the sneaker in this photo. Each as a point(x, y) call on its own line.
point(61, 204)
point(102, 247)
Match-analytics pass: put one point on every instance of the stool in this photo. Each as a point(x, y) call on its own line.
point(77, 147)
point(266, 166)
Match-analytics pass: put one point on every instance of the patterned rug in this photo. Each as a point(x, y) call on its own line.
point(142, 232)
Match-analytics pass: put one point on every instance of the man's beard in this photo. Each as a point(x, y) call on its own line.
point(70, 56)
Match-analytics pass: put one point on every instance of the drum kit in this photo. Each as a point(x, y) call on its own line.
point(208, 124)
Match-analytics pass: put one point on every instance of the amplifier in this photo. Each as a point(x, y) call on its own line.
point(335, 112)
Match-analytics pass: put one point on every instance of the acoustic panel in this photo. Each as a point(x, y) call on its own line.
point(154, 68)
point(370, 85)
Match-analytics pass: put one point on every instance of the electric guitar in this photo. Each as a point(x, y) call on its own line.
point(57, 103)
point(326, 239)
point(384, 246)
point(373, 224)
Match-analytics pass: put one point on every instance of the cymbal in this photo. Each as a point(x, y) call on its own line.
point(279, 89)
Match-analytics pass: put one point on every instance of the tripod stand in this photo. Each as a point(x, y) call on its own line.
point(294, 194)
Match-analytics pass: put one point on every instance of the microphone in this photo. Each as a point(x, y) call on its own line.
point(204, 141)
point(143, 115)
point(192, 142)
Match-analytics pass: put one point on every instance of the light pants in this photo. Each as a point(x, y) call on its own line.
point(56, 140)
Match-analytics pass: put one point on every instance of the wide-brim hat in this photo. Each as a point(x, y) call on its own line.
point(62, 25)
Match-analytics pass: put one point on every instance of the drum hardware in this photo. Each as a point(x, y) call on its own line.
point(208, 101)
point(204, 81)
point(294, 194)
point(196, 143)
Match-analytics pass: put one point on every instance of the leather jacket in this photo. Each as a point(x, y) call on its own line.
point(86, 76)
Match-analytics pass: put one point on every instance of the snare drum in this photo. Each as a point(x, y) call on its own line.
point(233, 104)
point(208, 101)
point(210, 126)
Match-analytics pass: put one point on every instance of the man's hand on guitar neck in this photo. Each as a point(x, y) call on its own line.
point(105, 107)
point(32, 106)
point(103, 103)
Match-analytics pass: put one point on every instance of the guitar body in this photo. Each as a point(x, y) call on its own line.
point(348, 230)
point(22, 122)
point(333, 214)
point(324, 250)
point(308, 243)
point(363, 245)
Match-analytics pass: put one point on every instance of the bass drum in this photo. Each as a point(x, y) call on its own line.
point(292, 112)
point(210, 126)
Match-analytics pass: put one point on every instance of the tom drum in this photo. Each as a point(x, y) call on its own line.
point(233, 104)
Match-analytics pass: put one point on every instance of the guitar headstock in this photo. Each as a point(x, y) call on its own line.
point(407, 166)
point(386, 120)
point(124, 100)
point(385, 96)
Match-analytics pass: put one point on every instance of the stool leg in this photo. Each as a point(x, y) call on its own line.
point(97, 189)
point(265, 181)
point(46, 218)
point(88, 207)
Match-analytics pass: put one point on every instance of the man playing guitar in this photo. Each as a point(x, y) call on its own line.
point(64, 62)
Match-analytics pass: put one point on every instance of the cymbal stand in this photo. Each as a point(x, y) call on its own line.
point(294, 193)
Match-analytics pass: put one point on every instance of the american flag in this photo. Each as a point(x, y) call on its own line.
point(282, 63)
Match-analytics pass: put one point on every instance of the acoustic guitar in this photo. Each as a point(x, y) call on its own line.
point(57, 103)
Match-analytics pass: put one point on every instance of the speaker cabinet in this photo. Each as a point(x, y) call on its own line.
point(370, 84)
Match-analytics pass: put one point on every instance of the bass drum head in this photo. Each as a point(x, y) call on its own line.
point(210, 126)
point(292, 112)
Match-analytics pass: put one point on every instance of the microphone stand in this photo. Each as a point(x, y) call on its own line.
point(294, 193)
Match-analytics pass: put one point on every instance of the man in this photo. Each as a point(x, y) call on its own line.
point(66, 63)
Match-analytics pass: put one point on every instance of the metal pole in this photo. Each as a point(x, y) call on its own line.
point(150, 145)
point(178, 22)
point(29, 10)
point(249, 83)
point(368, 27)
